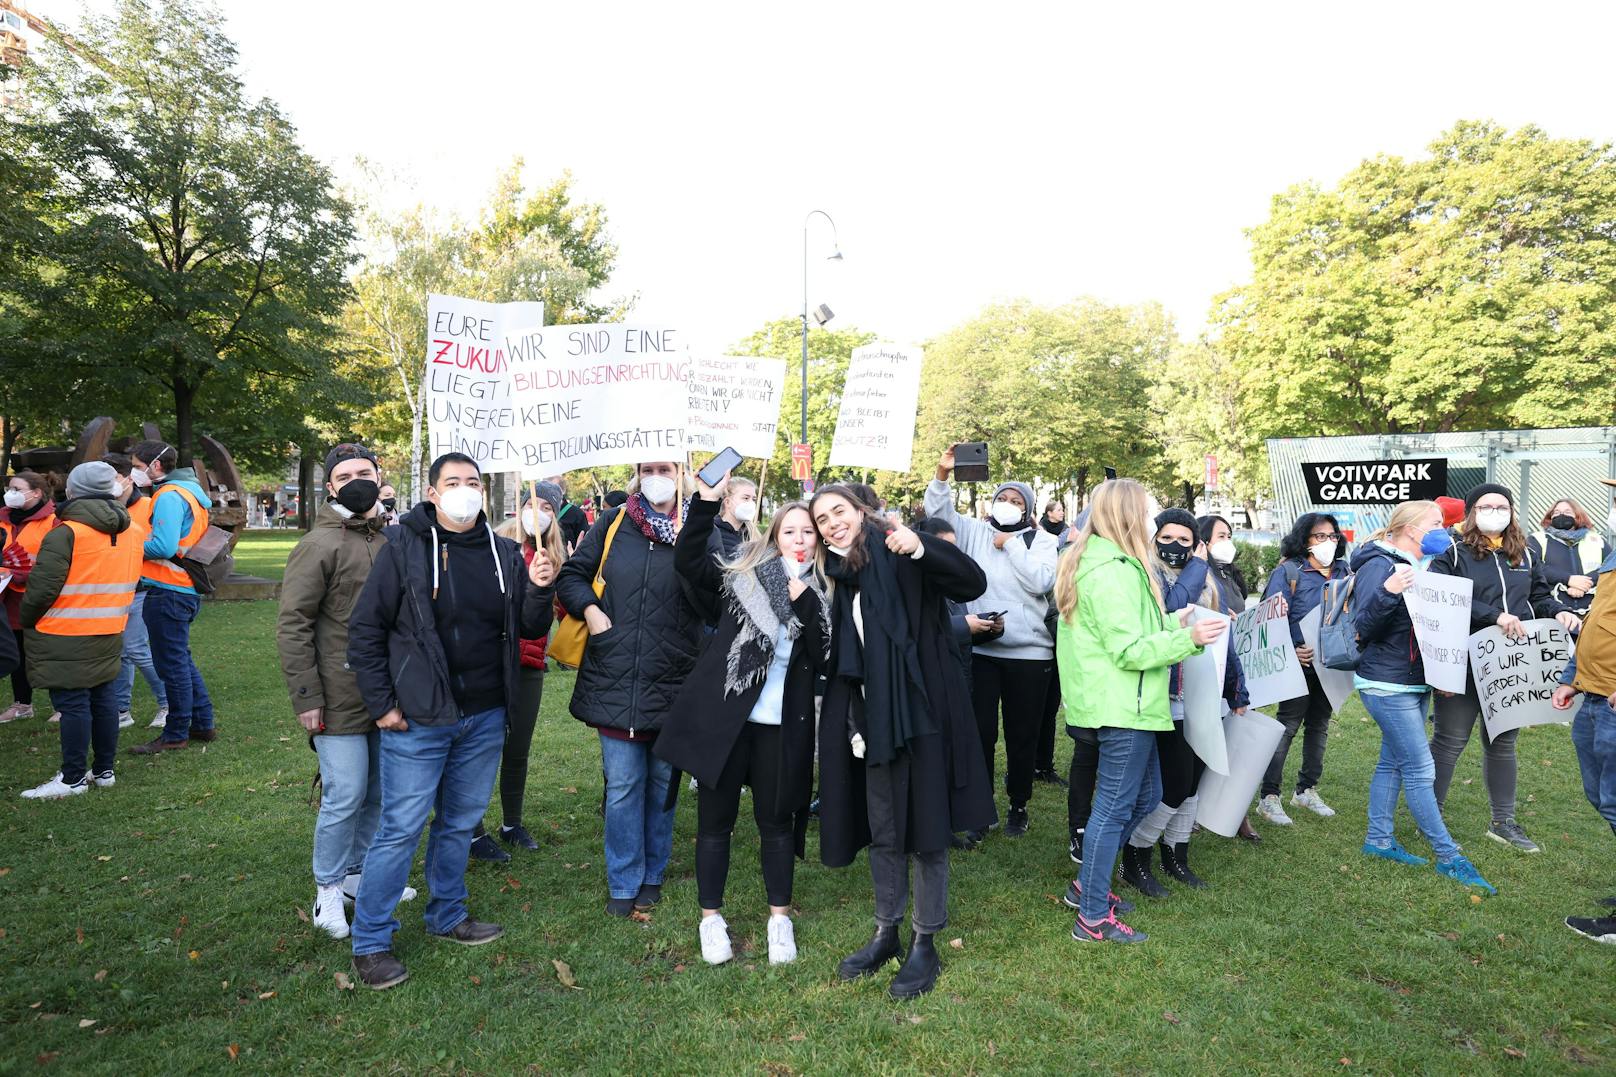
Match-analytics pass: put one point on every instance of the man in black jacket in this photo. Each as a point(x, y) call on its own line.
point(433, 644)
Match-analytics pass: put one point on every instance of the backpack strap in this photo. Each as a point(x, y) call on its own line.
point(1293, 575)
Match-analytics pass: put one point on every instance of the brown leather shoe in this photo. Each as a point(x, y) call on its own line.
point(380, 971)
point(1247, 833)
point(206, 736)
point(152, 747)
point(469, 932)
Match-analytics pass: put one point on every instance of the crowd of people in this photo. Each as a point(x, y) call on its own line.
point(850, 671)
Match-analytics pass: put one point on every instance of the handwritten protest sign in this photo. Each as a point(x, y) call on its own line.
point(1439, 606)
point(876, 426)
point(1337, 683)
point(1262, 640)
point(1203, 696)
point(1516, 677)
point(470, 347)
point(1223, 799)
point(734, 401)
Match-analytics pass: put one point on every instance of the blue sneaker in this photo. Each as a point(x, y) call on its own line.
point(1465, 872)
point(1395, 853)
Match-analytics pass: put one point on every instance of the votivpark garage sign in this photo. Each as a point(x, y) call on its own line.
point(1376, 482)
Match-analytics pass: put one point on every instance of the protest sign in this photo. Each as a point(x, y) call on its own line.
point(467, 387)
point(1516, 677)
point(876, 426)
point(734, 401)
point(1337, 683)
point(1262, 640)
point(1203, 695)
point(1439, 606)
point(1222, 800)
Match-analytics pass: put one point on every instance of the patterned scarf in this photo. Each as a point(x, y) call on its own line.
point(654, 527)
point(761, 602)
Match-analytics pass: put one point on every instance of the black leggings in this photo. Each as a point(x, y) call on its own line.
point(754, 762)
point(1021, 684)
point(21, 690)
point(1046, 727)
point(1181, 768)
point(1080, 780)
point(519, 722)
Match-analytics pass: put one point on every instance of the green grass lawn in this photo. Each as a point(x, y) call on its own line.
point(159, 927)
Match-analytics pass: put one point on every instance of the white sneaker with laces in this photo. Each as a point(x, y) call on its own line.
point(161, 720)
point(715, 946)
point(55, 789)
point(125, 720)
point(782, 940)
point(15, 711)
point(105, 780)
point(350, 890)
point(328, 914)
point(56, 716)
point(1271, 810)
point(1310, 799)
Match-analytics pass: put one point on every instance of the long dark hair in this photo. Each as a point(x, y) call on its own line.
point(856, 554)
point(1293, 547)
point(1203, 527)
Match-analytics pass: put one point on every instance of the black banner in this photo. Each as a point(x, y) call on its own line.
point(1376, 482)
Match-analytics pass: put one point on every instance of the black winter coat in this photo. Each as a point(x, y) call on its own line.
point(949, 787)
point(1500, 587)
point(1387, 650)
point(393, 645)
point(632, 672)
point(700, 733)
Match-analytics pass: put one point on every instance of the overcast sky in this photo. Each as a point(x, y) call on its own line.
point(968, 152)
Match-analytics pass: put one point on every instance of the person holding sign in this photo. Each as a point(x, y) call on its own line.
point(643, 638)
point(1572, 552)
point(1012, 670)
point(1509, 587)
point(1390, 680)
point(1115, 644)
point(900, 768)
point(745, 716)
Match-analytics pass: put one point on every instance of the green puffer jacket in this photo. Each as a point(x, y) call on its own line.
point(1115, 659)
point(69, 661)
point(324, 576)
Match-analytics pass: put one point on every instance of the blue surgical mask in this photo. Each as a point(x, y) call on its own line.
point(1436, 541)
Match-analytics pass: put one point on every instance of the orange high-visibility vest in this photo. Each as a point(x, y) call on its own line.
point(29, 536)
point(140, 518)
point(166, 571)
point(100, 585)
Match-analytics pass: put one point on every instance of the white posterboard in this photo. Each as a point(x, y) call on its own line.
point(1439, 606)
point(734, 401)
point(1516, 677)
point(876, 425)
point(1262, 641)
point(1223, 799)
point(1203, 695)
point(1337, 683)
point(470, 349)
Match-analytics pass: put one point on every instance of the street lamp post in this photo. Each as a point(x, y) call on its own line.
point(834, 256)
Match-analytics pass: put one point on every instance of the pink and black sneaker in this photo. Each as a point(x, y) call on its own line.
point(1108, 930)
point(1074, 899)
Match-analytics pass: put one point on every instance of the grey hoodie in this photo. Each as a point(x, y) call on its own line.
point(1018, 577)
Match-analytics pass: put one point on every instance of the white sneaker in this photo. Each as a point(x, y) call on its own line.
point(161, 720)
point(782, 940)
point(350, 890)
point(56, 716)
point(125, 720)
point(56, 789)
point(1269, 808)
point(15, 711)
point(715, 947)
point(104, 780)
point(328, 914)
point(1310, 799)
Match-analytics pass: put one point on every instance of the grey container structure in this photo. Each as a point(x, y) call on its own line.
point(1539, 466)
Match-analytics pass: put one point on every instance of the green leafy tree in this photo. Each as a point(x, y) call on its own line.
point(1198, 407)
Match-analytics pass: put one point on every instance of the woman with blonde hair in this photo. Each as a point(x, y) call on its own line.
point(1114, 645)
point(1390, 679)
point(736, 522)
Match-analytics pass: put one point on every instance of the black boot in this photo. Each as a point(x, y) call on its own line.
point(877, 952)
point(919, 972)
point(1136, 872)
point(1176, 862)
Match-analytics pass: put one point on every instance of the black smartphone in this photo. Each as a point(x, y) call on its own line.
point(1110, 473)
point(971, 461)
point(719, 466)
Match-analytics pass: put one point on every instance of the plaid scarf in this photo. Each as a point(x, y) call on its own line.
point(654, 527)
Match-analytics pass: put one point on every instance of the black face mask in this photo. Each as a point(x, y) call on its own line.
point(358, 496)
point(389, 502)
point(1563, 522)
point(1172, 554)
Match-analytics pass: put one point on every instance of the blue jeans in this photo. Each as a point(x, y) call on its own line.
point(1593, 732)
point(168, 621)
point(639, 833)
point(350, 803)
point(137, 655)
point(1127, 786)
point(446, 771)
point(89, 715)
point(1405, 764)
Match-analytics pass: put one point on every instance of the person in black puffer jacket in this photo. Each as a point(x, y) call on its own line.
point(643, 638)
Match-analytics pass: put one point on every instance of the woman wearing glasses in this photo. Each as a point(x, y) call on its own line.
point(1313, 554)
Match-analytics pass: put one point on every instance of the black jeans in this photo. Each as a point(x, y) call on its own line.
point(1181, 768)
point(1021, 684)
point(886, 796)
point(21, 690)
point(519, 722)
point(1080, 779)
point(1046, 728)
point(755, 762)
point(1312, 714)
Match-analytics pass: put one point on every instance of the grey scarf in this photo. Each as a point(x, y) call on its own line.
point(761, 602)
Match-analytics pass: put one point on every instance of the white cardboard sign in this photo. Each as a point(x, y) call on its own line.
point(1203, 695)
point(1262, 641)
point(734, 400)
point(1439, 606)
point(876, 425)
point(1516, 677)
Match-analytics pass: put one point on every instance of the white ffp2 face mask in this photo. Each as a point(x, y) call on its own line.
point(1492, 521)
point(658, 489)
point(536, 521)
point(15, 498)
point(1005, 514)
point(1323, 553)
point(461, 503)
point(1222, 552)
point(746, 511)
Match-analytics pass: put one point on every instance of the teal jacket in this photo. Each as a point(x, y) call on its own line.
point(1115, 652)
point(171, 521)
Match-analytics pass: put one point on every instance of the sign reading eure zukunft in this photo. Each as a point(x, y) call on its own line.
point(1376, 482)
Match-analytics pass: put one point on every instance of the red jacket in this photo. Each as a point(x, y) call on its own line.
point(532, 650)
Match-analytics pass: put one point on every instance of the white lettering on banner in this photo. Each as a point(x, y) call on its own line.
point(1262, 642)
point(1439, 606)
point(876, 425)
point(734, 401)
point(1515, 678)
point(471, 349)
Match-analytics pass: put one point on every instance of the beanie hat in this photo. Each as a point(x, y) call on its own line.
point(1021, 488)
point(551, 492)
point(1453, 510)
point(92, 479)
point(348, 450)
point(1478, 492)
point(1176, 516)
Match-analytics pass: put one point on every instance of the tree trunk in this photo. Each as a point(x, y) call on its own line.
point(1081, 494)
point(1189, 497)
point(305, 487)
point(10, 429)
point(184, 402)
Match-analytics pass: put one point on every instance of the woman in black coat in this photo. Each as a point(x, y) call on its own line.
point(746, 713)
point(900, 765)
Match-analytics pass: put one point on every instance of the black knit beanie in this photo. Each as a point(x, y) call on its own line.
point(1479, 492)
point(1176, 516)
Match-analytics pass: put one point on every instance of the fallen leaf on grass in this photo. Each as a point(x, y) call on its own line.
point(194, 954)
point(1513, 1052)
point(915, 1019)
point(78, 933)
point(640, 917)
point(958, 944)
point(1170, 1017)
point(476, 981)
point(36, 1005)
point(88, 1021)
point(499, 959)
point(101, 975)
point(993, 1049)
point(342, 981)
point(103, 859)
point(569, 788)
point(45, 1058)
point(510, 881)
point(796, 1037)
point(564, 974)
point(301, 915)
point(234, 1051)
point(262, 995)
point(1345, 1061)
point(1451, 936)
point(4, 872)
point(1475, 899)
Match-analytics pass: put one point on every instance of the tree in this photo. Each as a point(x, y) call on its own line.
point(192, 243)
point(1198, 408)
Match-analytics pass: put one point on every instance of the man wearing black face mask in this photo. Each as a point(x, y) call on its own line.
point(324, 576)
